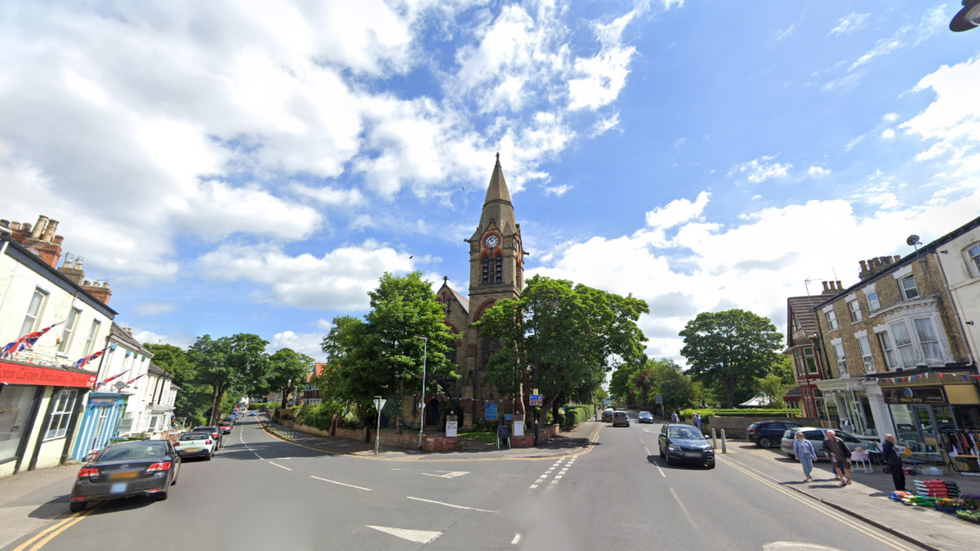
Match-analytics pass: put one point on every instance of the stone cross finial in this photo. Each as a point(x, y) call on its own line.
point(498, 157)
point(445, 279)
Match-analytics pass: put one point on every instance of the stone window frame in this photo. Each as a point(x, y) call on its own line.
point(841, 357)
point(871, 295)
point(908, 320)
point(831, 318)
point(854, 307)
point(864, 346)
point(972, 258)
point(906, 291)
point(30, 320)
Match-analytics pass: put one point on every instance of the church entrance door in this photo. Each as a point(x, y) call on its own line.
point(432, 412)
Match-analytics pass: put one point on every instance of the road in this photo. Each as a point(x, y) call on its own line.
point(259, 492)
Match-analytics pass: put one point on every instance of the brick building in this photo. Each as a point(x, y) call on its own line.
point(897, 353)
point(803, 346)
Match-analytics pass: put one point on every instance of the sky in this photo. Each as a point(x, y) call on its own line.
point(256, 166)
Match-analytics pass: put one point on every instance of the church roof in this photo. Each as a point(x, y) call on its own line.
point(463, 301)
point(497, 191)
point(497, 207)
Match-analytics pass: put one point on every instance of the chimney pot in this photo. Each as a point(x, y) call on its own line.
point(58, 240)
point(25, 227)
point(839, 286)
point(86, 283)
point(864, 265)
point(14, 226)
point(39, 227)
point(49, 230)
point(897, 258)
point(825, 286)
point(5, 223)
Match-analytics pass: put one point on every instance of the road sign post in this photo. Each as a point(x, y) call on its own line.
point(379, 404)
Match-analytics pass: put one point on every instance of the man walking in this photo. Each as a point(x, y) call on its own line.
point(890, 456)
point(840, 454)
point(699, 422)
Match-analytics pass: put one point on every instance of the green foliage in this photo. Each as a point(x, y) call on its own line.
point(288, 370)
point(619, 384)
point(193, 399)
point(382, 354)
point(772, 387)
point(662, 377)
point(733, 347)
point(266, 405)
point(579, 334)
point(709, 412)
point(319, 415)
point(235, 363)
point(577, 414)
point(783, 368)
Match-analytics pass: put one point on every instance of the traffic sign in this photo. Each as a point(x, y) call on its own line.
point(537, 400)
point(379, 403)
point(660, 399)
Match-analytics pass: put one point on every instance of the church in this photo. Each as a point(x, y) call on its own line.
point(496, 273)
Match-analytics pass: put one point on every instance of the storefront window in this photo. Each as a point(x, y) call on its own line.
point(61, 415)
point(944, 418)
point(15, 409)
point(907, 432)
point(967, 417)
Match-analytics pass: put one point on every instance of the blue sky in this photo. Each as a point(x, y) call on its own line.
point(255, 167)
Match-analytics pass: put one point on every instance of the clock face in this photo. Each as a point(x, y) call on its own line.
point(491, 241)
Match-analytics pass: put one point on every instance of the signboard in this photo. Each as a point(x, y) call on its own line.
point(537, 400)
point(379, 403)
point(508, 417)
point(519, 428)
point(491, 411)
point(915, 395)
point(660, 399)
point(17, 374)
point(503, 432)
point(451, 429)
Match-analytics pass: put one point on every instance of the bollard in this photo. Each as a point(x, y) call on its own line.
point(714, 441)
point(723, 449)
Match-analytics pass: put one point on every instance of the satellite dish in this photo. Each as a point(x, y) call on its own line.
point(119, 385)
point(913, 240)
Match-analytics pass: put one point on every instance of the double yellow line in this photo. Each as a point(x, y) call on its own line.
point(44, 536)
point(809, 502)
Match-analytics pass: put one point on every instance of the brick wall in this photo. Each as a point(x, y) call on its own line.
point(735, 426)
point(527, 440)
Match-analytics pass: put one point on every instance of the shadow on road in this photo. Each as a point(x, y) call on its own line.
point(52, 509)
point(655, 459)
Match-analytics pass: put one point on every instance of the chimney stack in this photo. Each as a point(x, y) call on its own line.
point(39, 227)
point(98, 290)
point(48, 234)
point(39, 239)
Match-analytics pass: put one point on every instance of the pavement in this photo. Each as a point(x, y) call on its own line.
point(30, 500)
point(614, 493)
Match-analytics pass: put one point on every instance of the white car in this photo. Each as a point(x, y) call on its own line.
point(196, 444)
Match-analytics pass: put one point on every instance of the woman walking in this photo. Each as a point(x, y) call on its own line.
point(804, 451)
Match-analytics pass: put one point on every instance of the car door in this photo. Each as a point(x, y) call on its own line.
point(816, 437)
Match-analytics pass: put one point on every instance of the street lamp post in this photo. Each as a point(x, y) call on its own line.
point(425, 355)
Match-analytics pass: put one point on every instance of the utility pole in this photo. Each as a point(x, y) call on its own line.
point(425, 355)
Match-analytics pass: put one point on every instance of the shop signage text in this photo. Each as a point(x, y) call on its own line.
point(16, 374)
point(915, 395)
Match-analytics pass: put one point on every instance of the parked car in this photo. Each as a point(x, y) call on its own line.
point(127, 469)
point(620, 419)
point(251, 414)
point(767, 433)
point(196, 444)
point(215, 433)
point(685, 444)
point(816, 436)
point(226, 427)
point(607, 415)
point(645, 417)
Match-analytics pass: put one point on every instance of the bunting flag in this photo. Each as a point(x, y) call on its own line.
point(80, 364)
point(110, 379)
point(25, 342)
point(133, 380)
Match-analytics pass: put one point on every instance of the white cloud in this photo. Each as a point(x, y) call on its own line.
point(339, 280)
point(849, 23)
point(677, 212)
point(604, 75)
point(888, 134)
point(890, 117)
point(760, 170)
point(818, 171)
point(149, 337)
point(305, 343)
point(785, 33)
point(602, 126)
point(155, 308)
point(328, 195)
point(931, 23)
point(557, 190)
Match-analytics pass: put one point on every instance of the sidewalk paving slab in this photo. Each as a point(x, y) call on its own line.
point(31, 500)
point(866, 498)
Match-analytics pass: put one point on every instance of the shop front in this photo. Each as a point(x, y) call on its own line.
point(39, 407)
point(856, 406)
point(99, 423)
point(926, 415)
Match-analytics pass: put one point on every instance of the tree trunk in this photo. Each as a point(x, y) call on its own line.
point(285, 392)
point(218, 394)
point(730, 394)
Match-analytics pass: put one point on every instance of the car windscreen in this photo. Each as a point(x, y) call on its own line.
point(196, 436)
point(133, 452)
point(619, 413)
point(205, 429)
point(685, 433)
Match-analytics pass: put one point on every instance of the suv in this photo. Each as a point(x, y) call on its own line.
point(620, 419)
point(607, 415)
point(767, 434)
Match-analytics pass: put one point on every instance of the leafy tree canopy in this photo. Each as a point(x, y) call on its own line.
point(287, 371)
point(663, 377)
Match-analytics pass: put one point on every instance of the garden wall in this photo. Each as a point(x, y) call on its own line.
point(527, 440)
point(409, 441)
point(735, 427)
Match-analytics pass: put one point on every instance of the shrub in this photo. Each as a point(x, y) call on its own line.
point(575, 415)
point(709, 412)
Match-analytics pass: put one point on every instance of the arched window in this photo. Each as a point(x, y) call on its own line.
point(486, 270)
point(498, 273)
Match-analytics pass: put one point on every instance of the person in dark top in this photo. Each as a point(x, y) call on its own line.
point(840, 454)
point(890, 456)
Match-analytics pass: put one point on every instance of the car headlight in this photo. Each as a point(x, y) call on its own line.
point(673, 447)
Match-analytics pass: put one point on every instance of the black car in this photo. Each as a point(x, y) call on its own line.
point(685, 444)
point(767, 434)
point(645, 417)
point(127, 469)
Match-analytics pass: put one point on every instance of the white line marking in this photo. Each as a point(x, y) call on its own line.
point(661, 471)
point(533, 486)
point(688, 515)
point(450, 474)
point(558, 477)
point(280, 466)
point(341, 484)
point(516, 539)
point(259, 456)
point(555, 481)
point(450, 505)
point(648, 450)
point(417, 536)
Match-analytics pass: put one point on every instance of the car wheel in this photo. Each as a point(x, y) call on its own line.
point(765, 442)
point(791, 456)
point(667, 459)
point(77, 506)
point(160, 496)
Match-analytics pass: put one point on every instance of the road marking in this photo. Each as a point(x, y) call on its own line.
point(417, 536)
point(772, 483)
point(280, 466)
point(553, 482)
point(516, 539)
point(64, 523)
point(447, 474)
point(686, 514)
point(648, 450)
point(450, 505)
point(341, 484)
point(533, 486)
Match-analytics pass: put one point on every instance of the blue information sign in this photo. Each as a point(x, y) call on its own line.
point(508, 417)
point(491, 411)
point(537, 400)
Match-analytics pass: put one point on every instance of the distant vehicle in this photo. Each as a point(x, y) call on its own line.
point(816, 436)
point(645, 417)
point(226, 427)
point(215, 433)
point(765, 434)
point(607, 415)
point(196, 444)
point(127, 469)
point(620, 419)
point(685, 444)
point(251, 414)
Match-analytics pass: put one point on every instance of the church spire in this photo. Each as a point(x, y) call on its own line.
point(497, 192)
point(497, 208)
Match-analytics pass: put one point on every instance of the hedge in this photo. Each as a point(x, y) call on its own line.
point(577, 414)
point(708, 412)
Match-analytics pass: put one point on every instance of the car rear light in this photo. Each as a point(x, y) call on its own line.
point(215, 435)
point(209, 442)
point(158, 467)
point(176, 443)
point(88, 472)
point(751, 431)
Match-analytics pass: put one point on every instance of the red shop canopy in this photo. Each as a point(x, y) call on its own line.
point(14, 373)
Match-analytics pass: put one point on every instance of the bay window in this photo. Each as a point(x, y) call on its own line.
point(928, 340)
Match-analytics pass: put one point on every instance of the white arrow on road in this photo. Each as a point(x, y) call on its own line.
point(417, 536)
point(444, 474)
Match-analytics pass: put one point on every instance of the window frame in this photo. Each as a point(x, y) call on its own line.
point(856, 315)
point(922, 343)
point(92, 333)
point(810, 359)
point(30, 320)
point(975, 258)
point(841, 357)
point(864, 345)
point(874, 303)
point(62, 412)
point(905, 291)
point(892, 359)
point(830, 317)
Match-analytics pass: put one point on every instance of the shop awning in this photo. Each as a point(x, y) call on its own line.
point(18, 373)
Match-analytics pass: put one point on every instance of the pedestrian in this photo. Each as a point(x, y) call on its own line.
point(803, 450)
point(699, 422)
point(840, 454)
point(890, 456)
point(674, 418)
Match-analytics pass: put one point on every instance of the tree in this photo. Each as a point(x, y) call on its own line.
point(733, 347)
point(579, 334)
point(192, 399)
point(229, 363)
point(619, 383)
point(383, 353)
point(287, 369)
point(772, 387)
point(663, 377)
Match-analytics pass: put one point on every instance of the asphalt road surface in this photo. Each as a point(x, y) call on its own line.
point(261, 493)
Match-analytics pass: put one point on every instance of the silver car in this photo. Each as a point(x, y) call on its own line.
point(816, 436)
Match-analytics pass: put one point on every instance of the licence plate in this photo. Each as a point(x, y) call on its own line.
point(122, 476)
point(192, 450)
point(118, 488)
